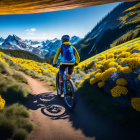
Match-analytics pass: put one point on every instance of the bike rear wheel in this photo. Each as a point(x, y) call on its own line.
point(70, 96)
point(58, 85)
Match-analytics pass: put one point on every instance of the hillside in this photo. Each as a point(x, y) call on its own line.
point(120, 25)
point(25, 55)
point(116, 72)
point(108, 82)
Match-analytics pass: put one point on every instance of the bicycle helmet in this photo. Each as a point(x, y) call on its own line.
point(65, 37)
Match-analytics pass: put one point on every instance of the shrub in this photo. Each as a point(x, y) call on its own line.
point(32, 73)
point(4, 69)
point(19, 77)
point(12, 91)
point(14, 118)
point(23, 123)
point(16, 110)
point(7, 128)
point(20, 134)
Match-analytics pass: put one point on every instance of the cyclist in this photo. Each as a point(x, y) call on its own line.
point(69, 58)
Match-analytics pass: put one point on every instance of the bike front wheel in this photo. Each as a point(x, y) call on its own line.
point(70, 95)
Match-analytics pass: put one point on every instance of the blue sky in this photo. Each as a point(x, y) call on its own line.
point(42, 26)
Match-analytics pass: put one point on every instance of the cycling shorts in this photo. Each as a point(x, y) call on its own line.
point(63, 67)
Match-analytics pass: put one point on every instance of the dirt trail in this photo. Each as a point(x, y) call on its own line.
point(55, 122)
point(48, 128)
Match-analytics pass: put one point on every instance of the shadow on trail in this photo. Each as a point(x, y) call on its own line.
point(49, 103)
point(91, 125)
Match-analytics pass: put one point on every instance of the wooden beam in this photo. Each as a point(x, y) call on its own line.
point(38, 6)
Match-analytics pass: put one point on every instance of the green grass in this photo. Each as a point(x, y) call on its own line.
point(11, 85)
point(81, 73)
point(4, 69)
point(16, 111)
point(14, 119)
point(14, 122)
point(19, 77)
point(45, 77)
point(20, 134)
point(7, 128)
point(12, 91)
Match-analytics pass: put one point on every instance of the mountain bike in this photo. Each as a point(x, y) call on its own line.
point(69, 90)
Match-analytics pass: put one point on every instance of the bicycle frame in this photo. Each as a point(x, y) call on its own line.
point(65, 79)
point(69, 90)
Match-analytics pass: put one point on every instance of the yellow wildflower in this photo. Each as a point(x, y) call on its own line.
point(87, 76)
point(139, 76)
point(124, 54)
point(92, 81)
point(121, 82)
point(111, 64)
point(126, 69)
point(110, 55)
point(102, 57)
point(106, 74)
point(118, 90)
point(132, 62)
point(135, 103)
point(101, 84)
point(98, 76)
point(2, 103)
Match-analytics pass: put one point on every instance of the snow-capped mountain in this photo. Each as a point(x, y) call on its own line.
point(42, 49)
point(74, 40)
point(1, 40)
point(51, 45)
point(33, 43)
point(16, 43)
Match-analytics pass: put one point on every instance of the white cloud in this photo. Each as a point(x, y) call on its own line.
point(37, 37)
point(31, 30)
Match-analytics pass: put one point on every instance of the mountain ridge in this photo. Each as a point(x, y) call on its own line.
point(108, 30)
point(42, 49)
